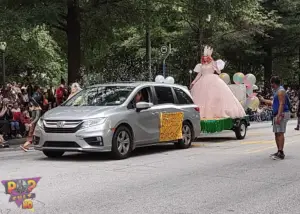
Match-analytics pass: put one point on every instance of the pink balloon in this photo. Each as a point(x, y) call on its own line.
point(246, 82)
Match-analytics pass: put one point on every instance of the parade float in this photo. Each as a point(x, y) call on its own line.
point(222, 105)
point(243, 88)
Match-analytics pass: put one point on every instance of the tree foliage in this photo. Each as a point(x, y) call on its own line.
point(105, 40)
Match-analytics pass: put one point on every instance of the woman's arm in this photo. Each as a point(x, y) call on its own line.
point(197, 78)
point(197, 69)
point(267, 102)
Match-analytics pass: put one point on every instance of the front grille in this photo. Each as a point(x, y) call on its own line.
point(69, 126)
point(61, 130)
point(61, 144)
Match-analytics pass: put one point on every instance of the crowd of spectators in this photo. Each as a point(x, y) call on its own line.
point(264, 112)
point(15, 109)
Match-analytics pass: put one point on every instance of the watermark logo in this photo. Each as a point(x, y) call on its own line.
point(20, 191)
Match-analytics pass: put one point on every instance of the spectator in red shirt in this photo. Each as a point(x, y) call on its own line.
point(60, 94)
point(15, 123)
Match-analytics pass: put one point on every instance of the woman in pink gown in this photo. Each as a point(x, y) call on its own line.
point(213, 96)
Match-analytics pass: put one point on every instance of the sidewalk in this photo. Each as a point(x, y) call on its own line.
point(13, 144)
point(17, 141)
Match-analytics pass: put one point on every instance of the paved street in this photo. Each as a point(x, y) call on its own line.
point(217, 175)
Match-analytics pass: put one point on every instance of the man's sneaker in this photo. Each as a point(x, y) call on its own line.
point(274, 155)
point(297, 128)
point(19, 136)
point(279, 156)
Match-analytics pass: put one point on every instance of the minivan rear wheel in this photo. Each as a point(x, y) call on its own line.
point(122, 143)
point(187, 136)
point(53, 154)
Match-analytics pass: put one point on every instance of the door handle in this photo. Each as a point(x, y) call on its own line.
point(154, 113)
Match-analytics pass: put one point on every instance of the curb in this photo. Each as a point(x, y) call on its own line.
point(10, 149)
point(16, 141)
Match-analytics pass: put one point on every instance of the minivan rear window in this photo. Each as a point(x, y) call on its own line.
point(182, 97)
point(101, 96)
point(164, 95)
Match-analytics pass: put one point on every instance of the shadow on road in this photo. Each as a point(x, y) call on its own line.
point(106, 156)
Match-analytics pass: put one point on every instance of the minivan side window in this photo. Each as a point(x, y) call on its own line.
point(182, 97)
point(144, 95)
point(164, 95)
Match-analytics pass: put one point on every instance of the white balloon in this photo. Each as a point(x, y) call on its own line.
point(251, 78)
point(159, 78)
point(225, 77)
point(170, 80)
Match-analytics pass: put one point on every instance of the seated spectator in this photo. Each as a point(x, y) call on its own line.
point(15, 123)
point(5, 117)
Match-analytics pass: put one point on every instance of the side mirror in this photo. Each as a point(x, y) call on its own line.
point(143, 105)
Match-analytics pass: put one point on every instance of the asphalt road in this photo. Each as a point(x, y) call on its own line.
point(217, 175)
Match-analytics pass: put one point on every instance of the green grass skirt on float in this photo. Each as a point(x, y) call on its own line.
point(216, 125)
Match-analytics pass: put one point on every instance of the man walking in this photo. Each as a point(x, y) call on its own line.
point(281, 114)
point(298, 112)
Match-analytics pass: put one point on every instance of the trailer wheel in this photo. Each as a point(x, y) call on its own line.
point(241, 130)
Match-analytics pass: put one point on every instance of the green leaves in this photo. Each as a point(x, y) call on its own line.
point(113, 39)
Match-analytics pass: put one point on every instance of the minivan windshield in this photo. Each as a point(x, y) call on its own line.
point(100, 96)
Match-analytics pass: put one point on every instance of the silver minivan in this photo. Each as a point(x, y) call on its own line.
point(116, 118)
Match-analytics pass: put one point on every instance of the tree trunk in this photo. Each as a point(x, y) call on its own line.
point(148, 41)
point(299, 66)
point(148, 52)
point(200, 42)
point(268, 67)
point(73, 35)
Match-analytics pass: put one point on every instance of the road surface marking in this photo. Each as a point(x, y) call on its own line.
point(267, 148)
point(197, 145)
point(256, 134)
point(258, 142)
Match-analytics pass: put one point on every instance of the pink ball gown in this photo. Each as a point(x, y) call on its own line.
point(213, 96)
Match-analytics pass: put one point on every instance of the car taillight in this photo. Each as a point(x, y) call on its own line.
point(197, 109)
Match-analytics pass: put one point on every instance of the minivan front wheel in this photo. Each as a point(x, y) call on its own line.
point(53, 154)
point(122, 143)
point(187, 136)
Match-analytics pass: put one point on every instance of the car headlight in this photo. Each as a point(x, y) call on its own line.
point(93, 122)
point(40, 123)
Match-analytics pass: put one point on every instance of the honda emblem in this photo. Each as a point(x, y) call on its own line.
point(60, 124)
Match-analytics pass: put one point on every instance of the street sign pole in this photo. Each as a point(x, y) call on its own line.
point(164, 61)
